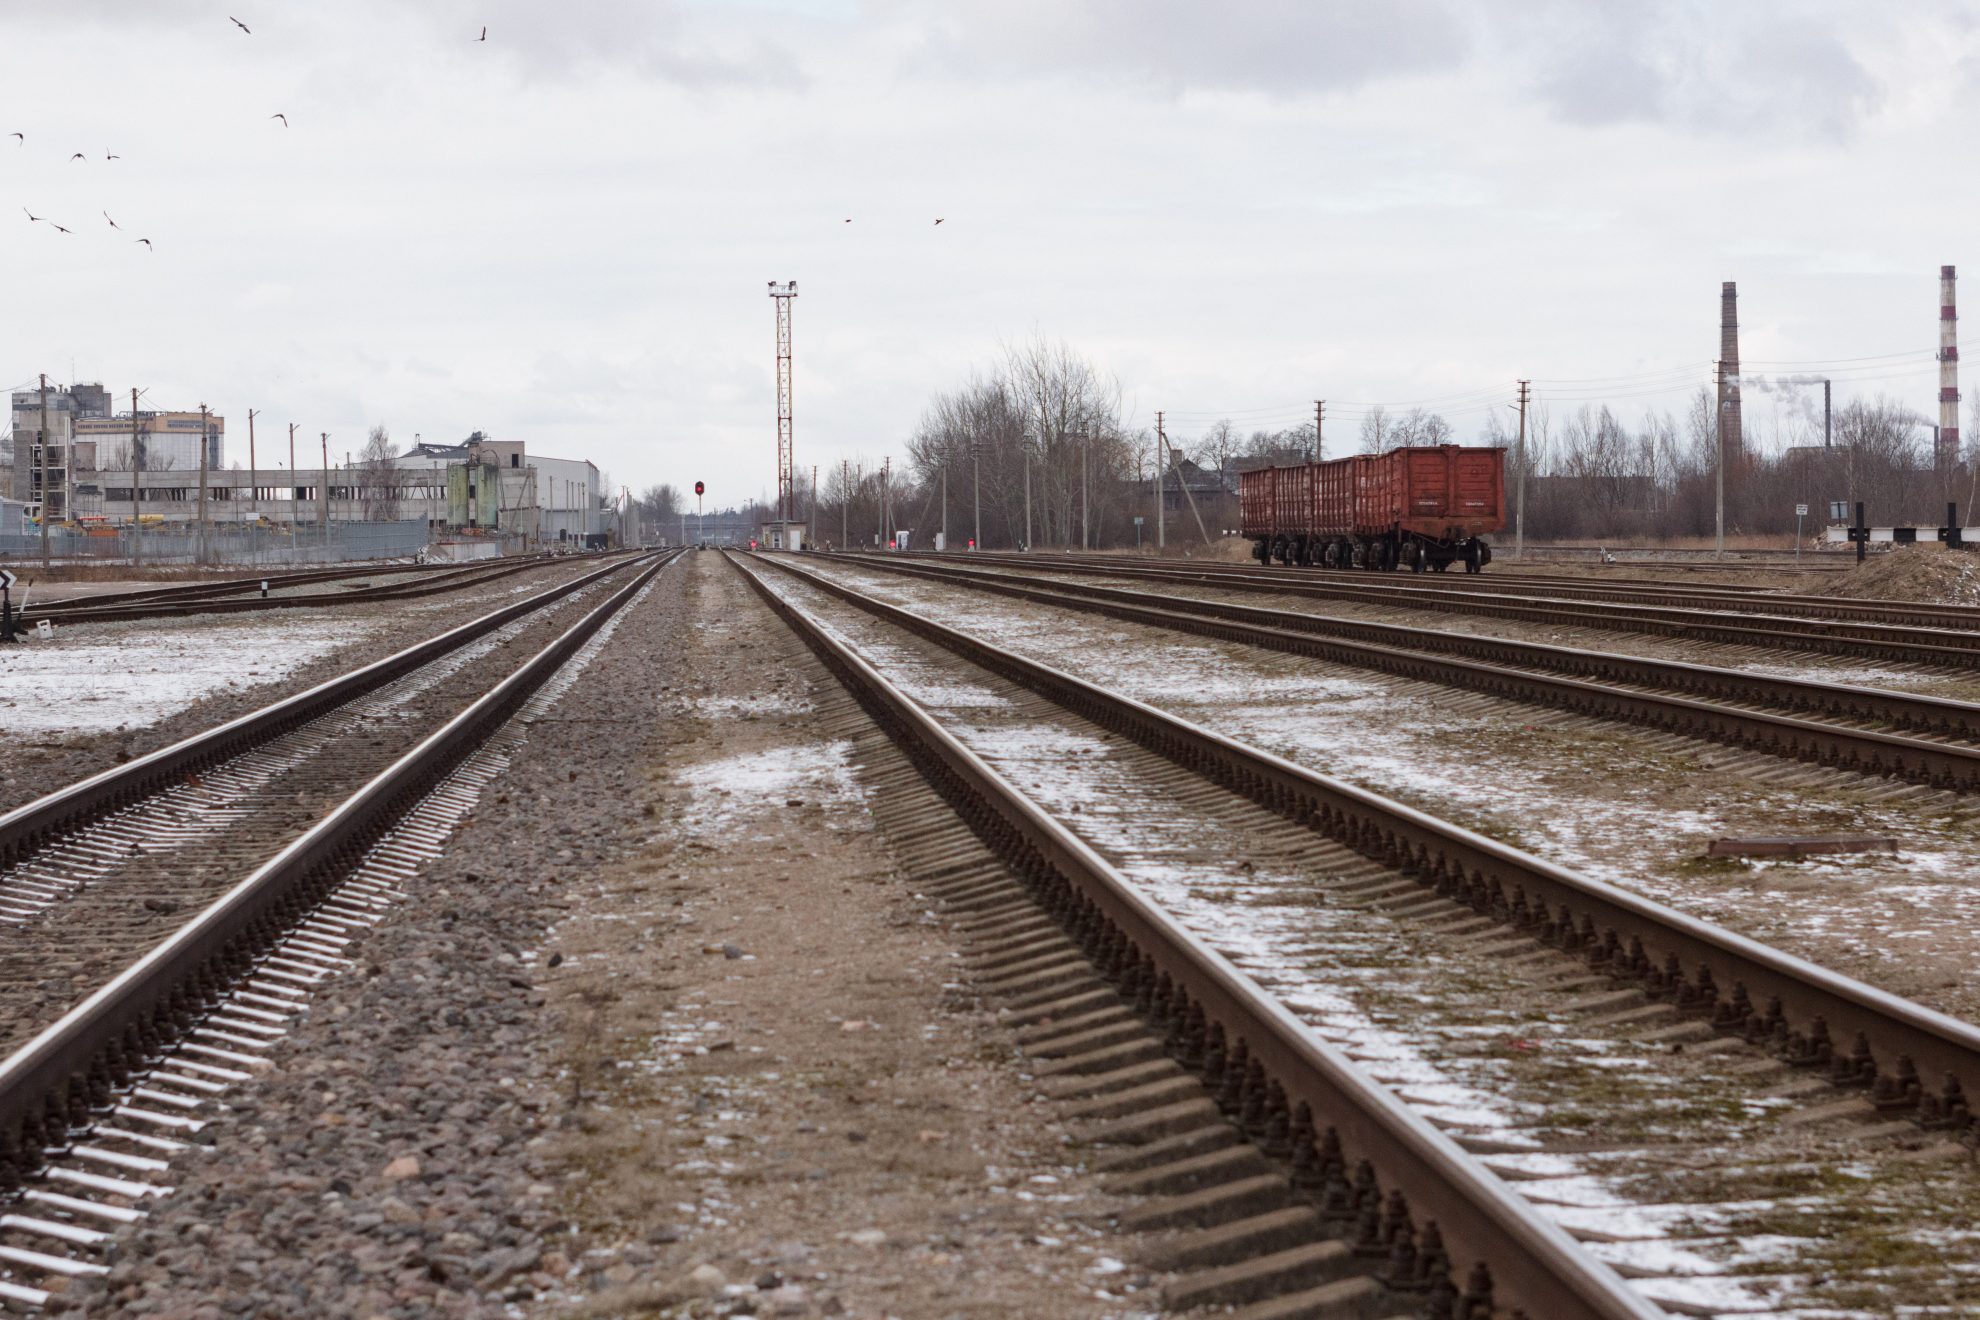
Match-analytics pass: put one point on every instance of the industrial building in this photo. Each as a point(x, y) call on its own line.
point(84, 434)
point(481, 486)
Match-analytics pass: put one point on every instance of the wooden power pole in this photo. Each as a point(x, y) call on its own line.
point(137, 466)
point(45, 501)
point(202, 483)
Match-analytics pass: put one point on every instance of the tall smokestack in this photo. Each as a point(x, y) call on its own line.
point(1729, 360)
point(1947, 456)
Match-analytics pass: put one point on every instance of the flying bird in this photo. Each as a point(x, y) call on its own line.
point(938, 220)
point(242, 26)
point(30, 215)
point(849, 220)
point(108, 156)
point(113, 223)
point(279, 115)
point(146, 242)
point(58, 226)
point(483, 36)
point(78, 156)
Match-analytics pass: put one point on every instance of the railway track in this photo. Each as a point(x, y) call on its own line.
point(127, 1058)
point(1919, 739)
point(1636, 959)
point(1638, 606)
point(225, 598)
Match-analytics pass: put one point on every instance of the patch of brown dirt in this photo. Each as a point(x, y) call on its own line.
point(1926, 573)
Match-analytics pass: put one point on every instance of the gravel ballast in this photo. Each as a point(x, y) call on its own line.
point(662, 1033)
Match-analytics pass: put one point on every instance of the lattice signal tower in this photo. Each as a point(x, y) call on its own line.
point(786, 496)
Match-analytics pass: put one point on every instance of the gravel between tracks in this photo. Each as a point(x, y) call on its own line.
point(40, 759)
point(462, 1129)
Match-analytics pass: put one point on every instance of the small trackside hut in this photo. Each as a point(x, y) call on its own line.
point(1422, 507)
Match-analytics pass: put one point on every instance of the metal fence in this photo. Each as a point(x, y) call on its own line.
point(338, 543)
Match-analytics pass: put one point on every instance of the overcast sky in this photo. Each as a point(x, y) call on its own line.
point(564, 234)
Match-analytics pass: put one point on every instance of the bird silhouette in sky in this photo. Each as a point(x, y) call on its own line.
point(242, 26)
point(279, 115)
point(113, 223)
point(108, 156)
point(58, 226)
point(849, 220)
point(31, 215)
point(483, 36)
point(146, 242)
point(938, 220)
point(78, 156)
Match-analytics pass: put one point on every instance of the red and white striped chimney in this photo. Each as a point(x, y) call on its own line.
point(1948, 452)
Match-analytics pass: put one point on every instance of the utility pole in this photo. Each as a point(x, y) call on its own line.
point(845, 500)
point(1719, 503)
point(1024, 447)
point(886, 500)
point(811, 522)
point(1519, 495)
point(45, 502)
point(326, 491)
point(1085, 516)
point(1161, 499)
point(137, 523)
point(293, 480)
point(254, 493)
point(202, 482)
point(976, 481)
point(1826, 437)
point(1319, 418)
point(945, 497)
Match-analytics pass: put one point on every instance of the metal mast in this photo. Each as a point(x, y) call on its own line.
point(1947, 455)
point(782, 294)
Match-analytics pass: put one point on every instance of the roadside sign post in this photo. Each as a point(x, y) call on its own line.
point(7, 607)
point(1800, 512)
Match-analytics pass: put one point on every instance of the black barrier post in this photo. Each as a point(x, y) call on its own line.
point(1950, 532)
point(1860, 534)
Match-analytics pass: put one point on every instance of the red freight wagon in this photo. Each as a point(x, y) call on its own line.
point(1421, 507)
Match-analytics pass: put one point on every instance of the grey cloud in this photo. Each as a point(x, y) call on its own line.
point(1280, 47)
point(1709, 68)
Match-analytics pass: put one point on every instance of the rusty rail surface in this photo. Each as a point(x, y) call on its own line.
point(29, 826)
point(1950, 647)
point(1700, 700)
point(84, 610)
point(1738, 599)
point(1294, 1093)
point(75, 1065)
point(1809, 1015)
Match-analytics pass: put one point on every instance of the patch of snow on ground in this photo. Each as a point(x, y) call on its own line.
point(79, 685)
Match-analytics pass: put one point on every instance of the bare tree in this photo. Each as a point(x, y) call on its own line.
point(378, 477)
point(1377, 431)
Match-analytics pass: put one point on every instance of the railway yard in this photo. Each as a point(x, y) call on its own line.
point(715, 933)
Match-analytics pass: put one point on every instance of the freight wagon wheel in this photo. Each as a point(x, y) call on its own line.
point(1471, 558)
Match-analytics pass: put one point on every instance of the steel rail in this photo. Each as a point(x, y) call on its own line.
point(1903, 640)
point(452, 580)
point(1738, 985)
point(75, 1065)
point(1746, 600)
point(1443, 658)
point(196, 590)
point(1305, 1096)
point(29, 826)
